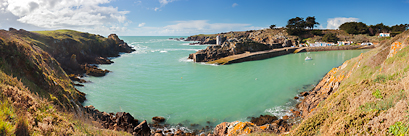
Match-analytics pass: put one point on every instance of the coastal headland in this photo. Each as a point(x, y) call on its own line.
point(243, 46)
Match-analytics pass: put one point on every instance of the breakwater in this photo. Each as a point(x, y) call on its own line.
point(250, 56)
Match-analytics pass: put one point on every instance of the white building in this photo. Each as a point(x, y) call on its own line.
point(345, 42)
point(384, 34)
point(367, 43)
point(218, 40)
point(320, 44)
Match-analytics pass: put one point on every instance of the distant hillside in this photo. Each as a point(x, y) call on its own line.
point(280, 35)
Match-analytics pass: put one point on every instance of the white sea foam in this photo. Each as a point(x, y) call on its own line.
point(279, 111)
point(173, 129)
point(185, 60)
point(182, 49)
point(204, 63)
point(163, 51)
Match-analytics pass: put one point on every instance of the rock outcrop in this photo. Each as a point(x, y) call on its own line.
point(264, 123)
point(230, 47)
point(158, 119)
point(240, 42)
point(93, 70)
point(121, 121)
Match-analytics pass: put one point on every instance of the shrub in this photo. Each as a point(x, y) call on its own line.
point(22, 128)
point(377, 94)
point(330, 37)
point(398, 129)
point(380, 79)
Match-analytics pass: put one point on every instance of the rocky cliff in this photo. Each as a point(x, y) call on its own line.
point(230, 47)
point(36, 95)
point(240, 42)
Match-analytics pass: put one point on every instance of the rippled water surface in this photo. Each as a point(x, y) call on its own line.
point(158, 80)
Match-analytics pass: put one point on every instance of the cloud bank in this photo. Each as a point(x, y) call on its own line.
point(73, 14)
point(191, 27)
point(334, 23)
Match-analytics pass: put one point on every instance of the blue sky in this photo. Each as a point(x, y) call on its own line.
point(190, 17)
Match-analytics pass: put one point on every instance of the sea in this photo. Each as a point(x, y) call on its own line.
point(158, 79)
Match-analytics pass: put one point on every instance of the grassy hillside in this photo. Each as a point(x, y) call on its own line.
point(36, 95)
point(372, 96)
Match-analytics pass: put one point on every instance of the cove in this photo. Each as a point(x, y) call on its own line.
point(158, 80)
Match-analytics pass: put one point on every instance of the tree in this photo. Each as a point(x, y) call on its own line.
point(354, 27)
point(330, 37)
point(310, 22)
point(272, 26)
point(295, 26)
point(399, 28)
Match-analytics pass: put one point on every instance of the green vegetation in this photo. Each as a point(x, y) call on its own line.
point(399, 129)
point(272, 26)
point(377, 94)
point(354, 27)
point(362, 28)
point(383, 104)
point(7, 118)
point(296, 26)
point(330, 37)
point(310, 22)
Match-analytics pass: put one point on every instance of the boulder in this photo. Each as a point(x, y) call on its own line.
point(287, 43)
point(158, 119)
point(263, 119)
point(94, 70)
point(142, 129)
point(304, 93)
point(179, 133)
point(221, 129)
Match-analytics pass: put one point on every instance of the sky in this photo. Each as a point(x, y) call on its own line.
point(191, 17)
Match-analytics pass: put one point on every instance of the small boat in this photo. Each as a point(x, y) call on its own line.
point(308, 58)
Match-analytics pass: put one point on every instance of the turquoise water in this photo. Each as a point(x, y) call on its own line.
point(158, 80)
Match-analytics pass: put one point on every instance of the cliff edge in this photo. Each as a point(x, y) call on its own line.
point(36, 95)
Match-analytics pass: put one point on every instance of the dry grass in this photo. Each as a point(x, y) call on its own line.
point(372, 101)
point(39, 116)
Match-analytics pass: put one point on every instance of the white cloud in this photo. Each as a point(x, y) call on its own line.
point(72, 14)
point(141, 24)
point(234, 5)
point(164, 2)
point(334, 23)
point(192, 27)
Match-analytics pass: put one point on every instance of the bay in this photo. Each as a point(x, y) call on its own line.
point(158, 80)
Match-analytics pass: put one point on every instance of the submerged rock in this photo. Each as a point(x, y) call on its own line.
point(158, 119)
